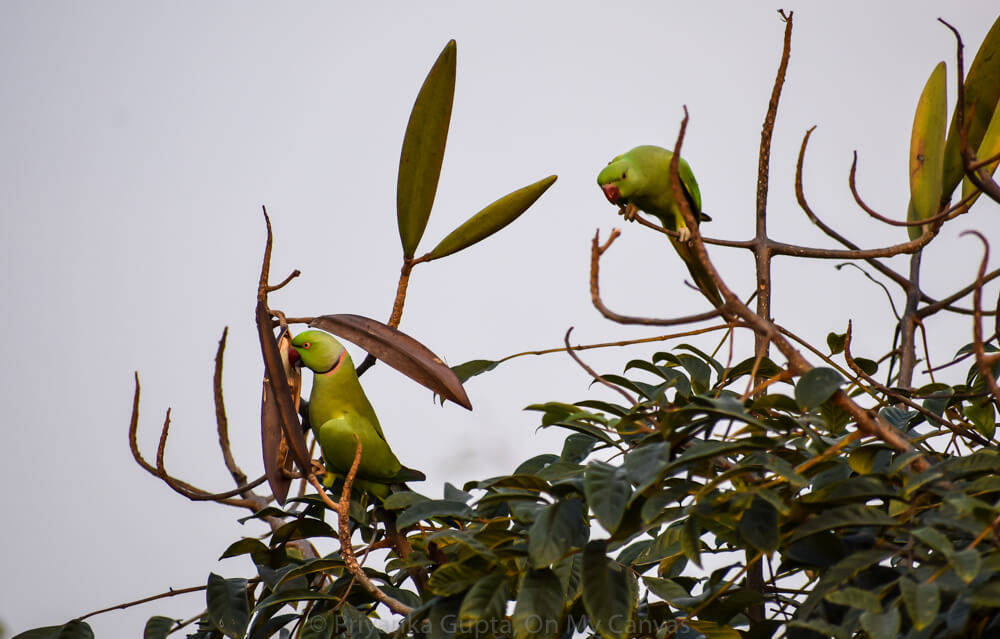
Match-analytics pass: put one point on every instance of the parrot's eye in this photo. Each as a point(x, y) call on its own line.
point(623, 176)
point(306, 345)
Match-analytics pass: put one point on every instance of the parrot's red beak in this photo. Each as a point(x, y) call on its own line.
point(293, 357)
point(612, 193)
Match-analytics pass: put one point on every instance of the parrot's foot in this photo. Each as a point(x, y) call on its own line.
point(684, 234)
point(630, 211)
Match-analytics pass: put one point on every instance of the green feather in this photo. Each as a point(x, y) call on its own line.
point(339, 410)
point(641, 178)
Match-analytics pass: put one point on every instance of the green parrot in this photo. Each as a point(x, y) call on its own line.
point(339, 410)
point(639, 180)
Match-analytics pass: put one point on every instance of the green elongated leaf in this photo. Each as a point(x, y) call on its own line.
point(884, 625)
point(989, 147)
point(843, 517)
point(423, 149)
point(47, 632)
point(711, 629)
point(453, 578)
point(491, 219)
point(986, 595)
point(539, 606)
point(434, 508)
point(399, 350)
point(608, 490)
point(75, 629)
point(923, 600)
point(302, 529)
point(666, 589)
point(403, 499)
point(667, 544)
point(245, 546)
point(759, 525)
point(319, 626)
point(935, 539)
point(486, 600)
point(927, 148)
point(157, 627)
point(691, 541)
point(472, 368)
point(358, 625)
point(982, 91)
point(609, 592)
point(816, 386)
point(443, 618)
point(227, 605)
point(856, 598)
point(982, 415)
point(966, 564)
point(645, 463)
point(557, 529)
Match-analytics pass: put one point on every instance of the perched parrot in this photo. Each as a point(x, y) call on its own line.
point(639, 180)
point(339, 410)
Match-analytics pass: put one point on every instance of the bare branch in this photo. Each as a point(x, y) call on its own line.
point(344, 533)
point(595, 293)
point(597, 378)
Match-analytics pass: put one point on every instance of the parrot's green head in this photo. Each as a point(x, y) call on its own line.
point(318, 351)
point(619, 180)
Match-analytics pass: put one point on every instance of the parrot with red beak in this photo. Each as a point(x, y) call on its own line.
point(639, 180)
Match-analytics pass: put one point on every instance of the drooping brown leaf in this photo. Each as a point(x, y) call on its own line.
point(281, 396)
point(399, 350)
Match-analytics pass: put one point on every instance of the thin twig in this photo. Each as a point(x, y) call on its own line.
point(597, 378)
point(343, 509)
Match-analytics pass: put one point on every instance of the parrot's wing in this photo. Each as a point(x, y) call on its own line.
point(336, 438)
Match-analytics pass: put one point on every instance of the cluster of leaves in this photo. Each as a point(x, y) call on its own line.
point(692, 474)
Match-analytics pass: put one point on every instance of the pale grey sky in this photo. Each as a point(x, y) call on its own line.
point(141, 139)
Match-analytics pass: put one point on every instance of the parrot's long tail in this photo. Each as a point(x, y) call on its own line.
point(698, 273)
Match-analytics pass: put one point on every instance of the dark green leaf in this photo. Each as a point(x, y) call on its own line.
point(245, 546)
point(835, 342)
point(423, 150)
point(608, 491)
point(227, 605)
point(491, 219)
point(856, 598)
point(486, 600)
point(403, 499)
point(982, 415)
point(666, 589)
point(609, 592)
point(453, 578)
point(157, 627)
point(645, 463)
point(844, 517)
point(539, 606)
point(884, 625)
point(966, 564)
point(759, 525)
point(576, 447)
point(434, 508)
point(319, 626)
point(473, 368)
point(923, 600)
point(47, 632)
point(558, 529)
point(75, 629)
point(691, 541)
point(358, 625)
point(816, 386)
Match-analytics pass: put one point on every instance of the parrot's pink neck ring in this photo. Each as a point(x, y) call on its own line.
point(336, 365)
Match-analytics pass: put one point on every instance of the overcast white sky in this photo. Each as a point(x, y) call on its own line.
point(141, 139)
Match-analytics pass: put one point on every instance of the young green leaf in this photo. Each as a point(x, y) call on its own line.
point(982, 91)
point(491, 219)
point(423, 150)
point(989, 147)
point(922, 601)
point(927, 150)
point(157, 627)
